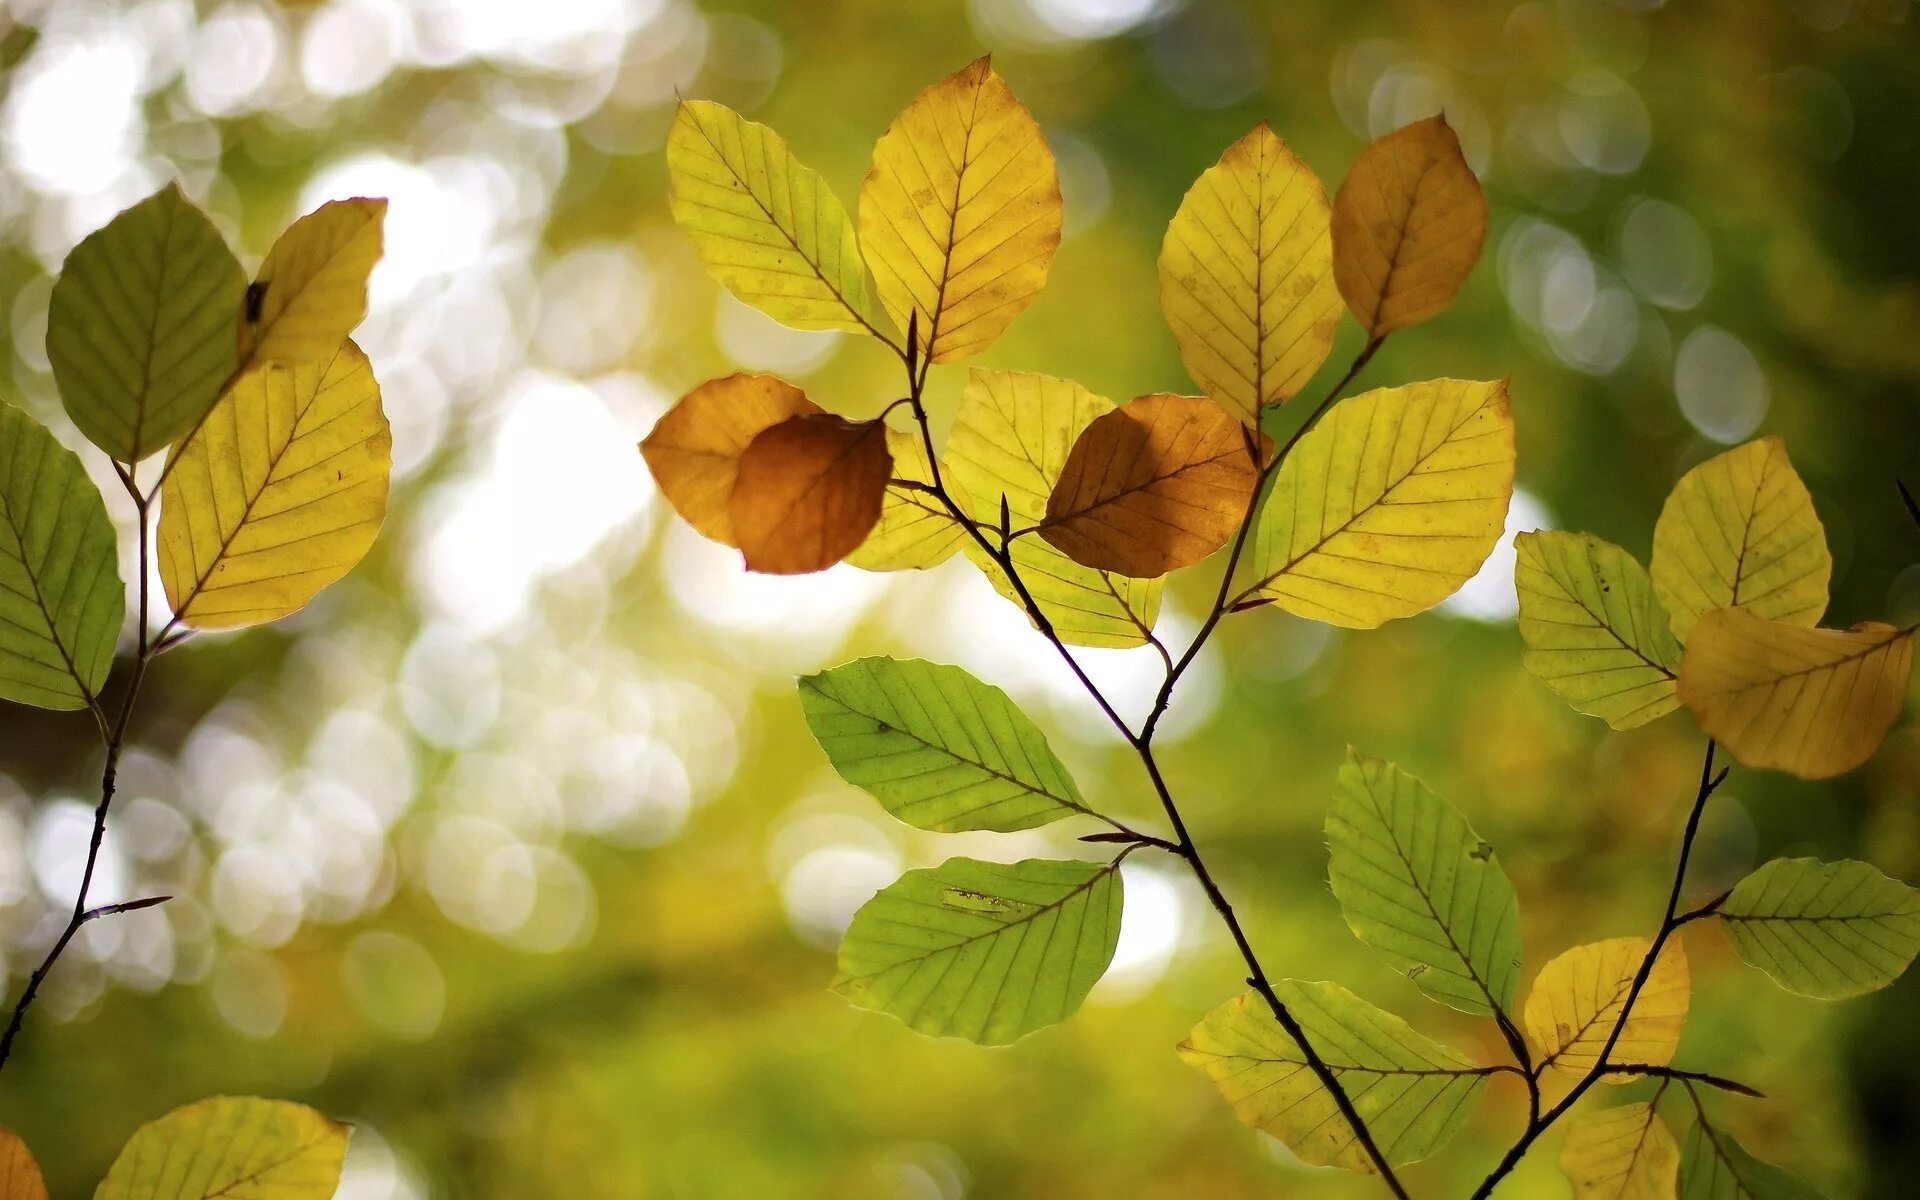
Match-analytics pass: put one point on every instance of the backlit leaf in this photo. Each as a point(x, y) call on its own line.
point(940, 749)
point(1740, 529)
point(767, 227)
point(61, 600)
point(1418, 885)
point(1246, 276)
point(1829, 930)
point(1577, 999)
point(277, 494)
point(808, 491)
point(960, 215)
point(1815, 702)
point(1408, 223)
point(233, 1148)
point(19, 1174)
point(312, 288)
point(1594, 631)
point(1624, 1153)
point(694, 450)
point(915, 530)
point(1716, 1167)
point(141, 325)
point(1155, 485)
point(1390, 504)
point(1412, 1092)
point(983, 951)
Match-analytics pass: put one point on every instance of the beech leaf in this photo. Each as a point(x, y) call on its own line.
point(19, 1175)
point(1827, 930)
point(808, 491)
point(233, 1148)
point(1715, 1166)
point(915, 530)
point(1577, 999)
point(1594, 631)
point(311, 289)
point(694, 450)
point(1624, 1153)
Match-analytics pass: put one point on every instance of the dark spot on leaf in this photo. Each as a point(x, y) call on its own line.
point(1481, 852)
point(256, 297)
point(882, 727)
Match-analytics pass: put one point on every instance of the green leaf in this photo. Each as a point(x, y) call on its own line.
point(1420, 887)
point(1594, 631)
point(142, 323)
point(1715, 1167)
point(1827, 930)
point(61, 600)
point(1412, 1092)
point(983, 951)
point(234, 1148)
point(940, 749)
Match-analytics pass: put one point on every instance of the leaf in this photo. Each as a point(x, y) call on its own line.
point(960, 215)
point(1577, 998)
point(915, 530)
point(1624, 1153)
point(809, 489)
point(278, 493)
point(940, 749)
point(1594, 631)
point(1815, 702)
point(1827, 930)
point(1418, 885)
point(1389, 505)
point(1152, 486)
point(141, 325)
point(233, 1148)
point(1740, 529)
point(694, 450)
point(1011, 438)
point(61, 600)
point(1246, 276)
point(1412, 1092)
point(312, 288)
point(19, 1174)
point(1408, 223)
point(983, 951)
point(1716, 1167)
point(767, 227)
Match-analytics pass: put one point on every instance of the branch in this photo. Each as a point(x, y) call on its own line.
point(1718, 1081)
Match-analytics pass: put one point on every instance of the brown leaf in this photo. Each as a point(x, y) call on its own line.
point(808, 491)
point(694, 451)
point(1155, 485)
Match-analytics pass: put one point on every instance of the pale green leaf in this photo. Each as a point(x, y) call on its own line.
point(1594, 631)
point(1828, 930)
point(1716, 1167)
point(233, 1148)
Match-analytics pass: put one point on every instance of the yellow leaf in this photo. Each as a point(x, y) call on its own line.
point(277, 494)
point(1388, 506)
point(694, 450)
point(1408, 223)
point(915, 530)
point(1577, 998)
point(960, 215)
point(312, 289)
point(767, 227)
point(1246, 276)
point(1593, 630)
point(233, 1148)
point(1624, 1153)
point(1815, 702)
point(1740, 529)
point(809, 489)
point(1011, 437)
point(19, 1174)
point(1155, 485)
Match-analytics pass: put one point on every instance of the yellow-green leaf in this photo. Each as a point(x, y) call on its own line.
point(1815, 702)
point(766, 226)
point(809, 491)
point(1408, 224)
point(233, 1148)
point(142, 323)
point(1716, 1167)
point(694, 450)
point(1740, 529)
point(1594, 631)
point(19, 1174)
point(312, 287)
point(915, 530)
point(1624, 1153)
point(1246, 276)
point(960, 215)
point(1390, 504)
point(1827, 930)
point(1577, 999)
point(277, 494)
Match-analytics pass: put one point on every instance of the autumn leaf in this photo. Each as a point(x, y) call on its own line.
point(961, 213)
point(694, 450)
point(1827, 930)
point(231, 1147)
point(915, 530)
point(1594, 631)
point(19, 1174)
point(1577, 999)
point(1408, 223)
point(311, 289)
point(1624, 1153)
point(808, 491)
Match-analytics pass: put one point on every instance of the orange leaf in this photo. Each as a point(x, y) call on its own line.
point(808, 492)
point(694, 451)
point(19, 1174)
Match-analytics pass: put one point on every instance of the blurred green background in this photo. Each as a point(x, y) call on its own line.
point(513, 849)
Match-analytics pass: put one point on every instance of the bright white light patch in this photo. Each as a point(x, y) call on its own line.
point(1489, 595)
point(72, 119)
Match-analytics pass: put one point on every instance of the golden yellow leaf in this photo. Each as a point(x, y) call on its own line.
point(915, 530)
point(1408, 223)
point(1577, 999)
point(1815, 702)
point(1011, 437)
point(808, 491)
point(312, 289)
point(1388, 506)
point(277, 494)
point(694, 450)
point(1740, 529)
point(233, 1148)
point(1624, 1153)
point(960, 215)
point(19, 1174)
point(1246, 276)
point(1155, 485)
